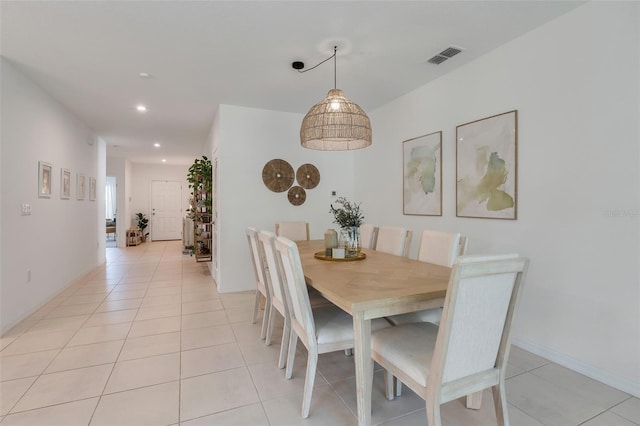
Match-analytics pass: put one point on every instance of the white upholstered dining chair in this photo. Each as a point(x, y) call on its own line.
point(295, 231)
point(441, 248)
point(321, 330)
point(394, 240)
point(259, 269)
point(368, 236)
point(468, 352)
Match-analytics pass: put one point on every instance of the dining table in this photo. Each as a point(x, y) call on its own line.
point(379, 285)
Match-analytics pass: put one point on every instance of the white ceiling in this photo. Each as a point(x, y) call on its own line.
point(205, 53)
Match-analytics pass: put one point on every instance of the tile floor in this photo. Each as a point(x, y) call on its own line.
point(147, 340)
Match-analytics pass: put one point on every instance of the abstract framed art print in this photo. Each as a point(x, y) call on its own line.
point(486, 167)
point(422, 175)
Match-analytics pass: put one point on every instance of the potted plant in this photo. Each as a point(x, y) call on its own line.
point(349, 217)
point(143, 222)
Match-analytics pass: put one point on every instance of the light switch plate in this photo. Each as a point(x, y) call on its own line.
point(26, 210)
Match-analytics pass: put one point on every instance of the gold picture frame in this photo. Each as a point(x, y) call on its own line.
point(487, 167)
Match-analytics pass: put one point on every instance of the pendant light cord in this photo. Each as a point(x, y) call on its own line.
point(335, 67)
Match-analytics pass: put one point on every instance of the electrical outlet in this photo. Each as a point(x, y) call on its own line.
point(333, 193)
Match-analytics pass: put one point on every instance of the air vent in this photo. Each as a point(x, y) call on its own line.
point(444, 55)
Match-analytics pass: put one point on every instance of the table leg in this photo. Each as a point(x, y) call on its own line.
point(474, 400)
point(364, 367)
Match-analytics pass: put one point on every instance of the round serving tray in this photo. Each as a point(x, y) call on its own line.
point(322, 256)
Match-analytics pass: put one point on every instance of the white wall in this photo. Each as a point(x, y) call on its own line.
point(58, 242)
point(248, 139)
point(141, 177)
point(575, 83)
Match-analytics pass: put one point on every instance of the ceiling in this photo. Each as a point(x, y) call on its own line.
point(200, 54)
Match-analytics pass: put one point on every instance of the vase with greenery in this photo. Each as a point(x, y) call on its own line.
point(349, 217)
point(143, 222)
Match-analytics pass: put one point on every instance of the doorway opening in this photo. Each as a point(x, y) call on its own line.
point(110, 210)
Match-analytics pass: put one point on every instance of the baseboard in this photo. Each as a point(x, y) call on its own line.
point(6, 328)
point(621, 383)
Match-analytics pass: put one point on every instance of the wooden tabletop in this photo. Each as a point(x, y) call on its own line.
point(382, 284)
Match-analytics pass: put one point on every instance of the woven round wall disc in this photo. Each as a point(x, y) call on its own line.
point(308, 176)
point(297, 195)
point(277, 175)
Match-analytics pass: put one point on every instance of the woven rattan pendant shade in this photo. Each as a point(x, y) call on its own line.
point(335, 124)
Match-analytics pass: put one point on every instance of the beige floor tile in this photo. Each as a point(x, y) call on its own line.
point(216, 392)
point(629, 409)
point(211, 359)
point(164, 291)
point(235, 300)
point(525, 360)
point(142, 372)
point(119, 305)
point(204, 319)
point(241, 314)
point(255, 351)
point(155, 326)
point(196, 296)
point(72, 310)
point(12, 391)
point(207, 336)
point(131, 287)
point(158, 344)
point(201, 306)
point(160, 300)
point(20, 328)
point(26, 365)
point(112, 317)
point(126, 294)
point(586, 388)
point(77, 413)
point(66, 386)
point(253, 415)
point(58, 324)
point(335, 366)
point(134, 280)
point(82, 299)
point(326, 409)
point(152, 312)
point(86, 356)
point(37, 342)
point(5, 341)
point(170, 283)
point(246, 331)
point(608, 419)
point(271, 383)
point(101, 333)
point(548, 403)
point(153, 405)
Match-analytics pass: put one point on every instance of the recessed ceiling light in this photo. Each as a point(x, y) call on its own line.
point(157, 145)
point(164, 160)
point(144, 75)
point(141, 108)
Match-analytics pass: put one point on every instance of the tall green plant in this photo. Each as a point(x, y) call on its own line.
point(200, 179)
point(143, 222)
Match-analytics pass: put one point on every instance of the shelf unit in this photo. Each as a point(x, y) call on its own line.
point(134, 236)
point(202, 221)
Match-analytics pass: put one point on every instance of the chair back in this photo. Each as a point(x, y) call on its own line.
point(257, 257)
point(474, 334)
point(441, 248)
point(296, 287)
point(295, 231)
point(274, 277)
point(368, 236)
point(394, 240)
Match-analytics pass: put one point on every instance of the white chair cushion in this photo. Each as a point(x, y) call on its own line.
point(409, 347)
point(427, 315)
point(335, 325)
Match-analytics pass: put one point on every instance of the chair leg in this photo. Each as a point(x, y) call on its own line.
point(265, 319)
point(293, 342)
point(389, 381)
point(500, 403)
point(348, 352)
point(256, 306)
point(284, 346)
point(398, 387)
point(269, 325)
point(433, 411)
point(312, 364)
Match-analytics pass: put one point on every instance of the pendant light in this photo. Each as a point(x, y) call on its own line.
point(335, 123)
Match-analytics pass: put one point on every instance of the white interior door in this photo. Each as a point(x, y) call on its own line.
point(166, 210)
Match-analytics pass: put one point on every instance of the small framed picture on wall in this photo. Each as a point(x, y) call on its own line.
point(65, 184)
point(81, 191)
point(44, 179)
